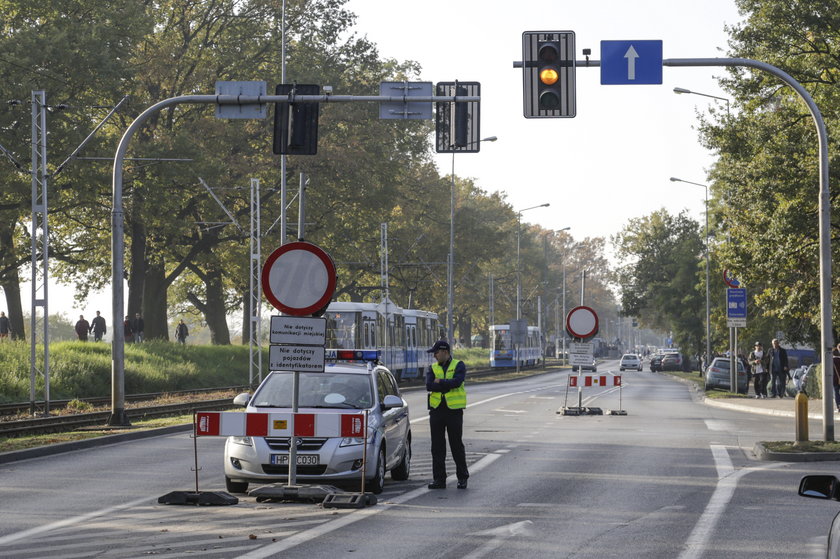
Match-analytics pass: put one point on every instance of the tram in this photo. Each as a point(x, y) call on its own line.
point(503, 352)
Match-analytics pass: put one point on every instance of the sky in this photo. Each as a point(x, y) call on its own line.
point(608, 164)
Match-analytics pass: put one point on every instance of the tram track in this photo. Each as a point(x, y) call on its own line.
point(68, 422)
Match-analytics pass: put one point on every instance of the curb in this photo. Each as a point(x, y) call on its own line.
point(48, 450)
point(751, 409)
point(762, 453)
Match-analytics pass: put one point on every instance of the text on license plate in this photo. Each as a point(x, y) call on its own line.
point(302, 459)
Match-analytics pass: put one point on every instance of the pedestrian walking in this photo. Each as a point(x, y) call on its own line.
point(836, 358)
point(97, 326)
point(447, 400)
point(138, 326)
point(779, 371)
point(181, 332)
point(759, 362)
point(5, 326)
point(82, 328)
point(128, 331)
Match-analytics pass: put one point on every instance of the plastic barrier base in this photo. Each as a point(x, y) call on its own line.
point(618, 412)
point(349, 500)
point(306, 493)
point(201, 498)
point(576, 410)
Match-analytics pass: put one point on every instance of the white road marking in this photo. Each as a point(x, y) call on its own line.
point(68, 522)
point(426, 417)
point(717, 425)
point(498, 536)
point(361, 514)
point(728, 479)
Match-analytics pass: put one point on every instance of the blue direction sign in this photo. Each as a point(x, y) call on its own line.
point(631, 62)
point(736, 307)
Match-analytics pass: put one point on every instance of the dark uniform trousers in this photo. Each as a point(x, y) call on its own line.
point(446, 422)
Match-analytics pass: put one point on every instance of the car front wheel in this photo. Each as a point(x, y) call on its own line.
point(377, 483)
point(403, 469)
point(236, 486)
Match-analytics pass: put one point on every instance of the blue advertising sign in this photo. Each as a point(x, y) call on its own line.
point(736, 307)
point(631, 62)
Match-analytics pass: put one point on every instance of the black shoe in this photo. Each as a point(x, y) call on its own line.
point(437, 485)
point(462, 484)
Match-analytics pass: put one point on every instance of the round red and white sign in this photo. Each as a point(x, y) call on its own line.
point(582, 322)
point(299, 278)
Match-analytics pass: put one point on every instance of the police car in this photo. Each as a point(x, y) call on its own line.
point(345, 386)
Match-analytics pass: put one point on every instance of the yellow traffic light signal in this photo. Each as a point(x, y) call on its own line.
point(548, 74)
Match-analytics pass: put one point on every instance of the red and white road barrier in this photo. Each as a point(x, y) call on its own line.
point(591, 380)
point(241, 424)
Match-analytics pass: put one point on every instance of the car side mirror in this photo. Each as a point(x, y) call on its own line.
point(392, 401)
point(242, 399)
point(820, 487)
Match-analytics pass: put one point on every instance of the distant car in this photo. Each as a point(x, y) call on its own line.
point(341, 387)
point(630, 361)
point(717, 375)
point(825, 487)
point(655, 363)
point(672, 361)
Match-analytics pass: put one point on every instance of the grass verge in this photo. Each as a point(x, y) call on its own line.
point(807, 446)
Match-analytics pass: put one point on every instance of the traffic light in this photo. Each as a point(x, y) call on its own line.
point(548, 74)
point(457, 125)
point(296, 124)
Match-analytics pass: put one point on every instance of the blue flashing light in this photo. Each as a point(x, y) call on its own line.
point(368, 355)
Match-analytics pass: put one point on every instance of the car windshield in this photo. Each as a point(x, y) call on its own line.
point(316, 390)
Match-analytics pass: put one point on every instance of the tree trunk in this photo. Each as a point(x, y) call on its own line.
point(155, 303)
point(246, 318)
point(214, 310)
point(10, 281)
point(137, 271)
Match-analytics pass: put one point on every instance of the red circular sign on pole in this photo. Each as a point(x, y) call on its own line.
point(730, 280)
point(582, 322)
point(299, 278)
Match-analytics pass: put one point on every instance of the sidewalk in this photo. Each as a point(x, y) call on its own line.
point(783, 407)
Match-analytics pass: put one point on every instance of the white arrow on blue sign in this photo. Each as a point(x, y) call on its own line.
point(631, 62)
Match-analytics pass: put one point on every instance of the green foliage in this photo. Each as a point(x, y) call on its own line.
point(83, 369)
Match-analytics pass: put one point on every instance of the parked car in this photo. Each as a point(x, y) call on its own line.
point(331, 460)
point(672, 362)
point(825, 487)
point(717, 375)
point(630, 361)
point(655, 363)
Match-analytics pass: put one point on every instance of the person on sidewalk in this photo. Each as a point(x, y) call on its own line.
point(779, 371)
point(447, 400)
point(836, 358)
point(758, 361)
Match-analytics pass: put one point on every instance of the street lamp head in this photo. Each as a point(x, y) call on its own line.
point(681, 90)
point(490, 139)
point(563, 229)
point(675, 179)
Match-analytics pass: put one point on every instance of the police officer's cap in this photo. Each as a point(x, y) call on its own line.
point(440, 344)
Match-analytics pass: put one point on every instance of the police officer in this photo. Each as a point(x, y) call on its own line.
point(447, 400)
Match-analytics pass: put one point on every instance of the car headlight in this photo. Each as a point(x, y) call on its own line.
point(355, 441)
point(246, 441)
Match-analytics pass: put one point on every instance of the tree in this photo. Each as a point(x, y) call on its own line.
point(765, 182)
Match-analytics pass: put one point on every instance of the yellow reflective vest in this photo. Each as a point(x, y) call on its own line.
point(456, 398)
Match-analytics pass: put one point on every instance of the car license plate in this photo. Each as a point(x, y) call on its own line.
point(302, 459)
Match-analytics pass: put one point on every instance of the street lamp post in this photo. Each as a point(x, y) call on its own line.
point(708, 326)
point(450, 279)
point(682, 90)
point(561, 332)
point(519, 271)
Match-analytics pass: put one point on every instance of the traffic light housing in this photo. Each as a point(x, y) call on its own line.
point(458, 125)
point(296, 124)
point(548, 74)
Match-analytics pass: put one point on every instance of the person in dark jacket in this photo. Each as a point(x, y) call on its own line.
point(97, 326)
point(836, 358)
point(779, 372)
point(5, 326)
point(128, 331)
point(138, 326)
point(181, 332)
point(82, 328)
point(447, 400)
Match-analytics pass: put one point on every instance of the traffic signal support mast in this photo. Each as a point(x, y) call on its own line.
point(528, 64)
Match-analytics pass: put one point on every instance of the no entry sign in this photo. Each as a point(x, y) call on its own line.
point(299, 278)
point(582, 322)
